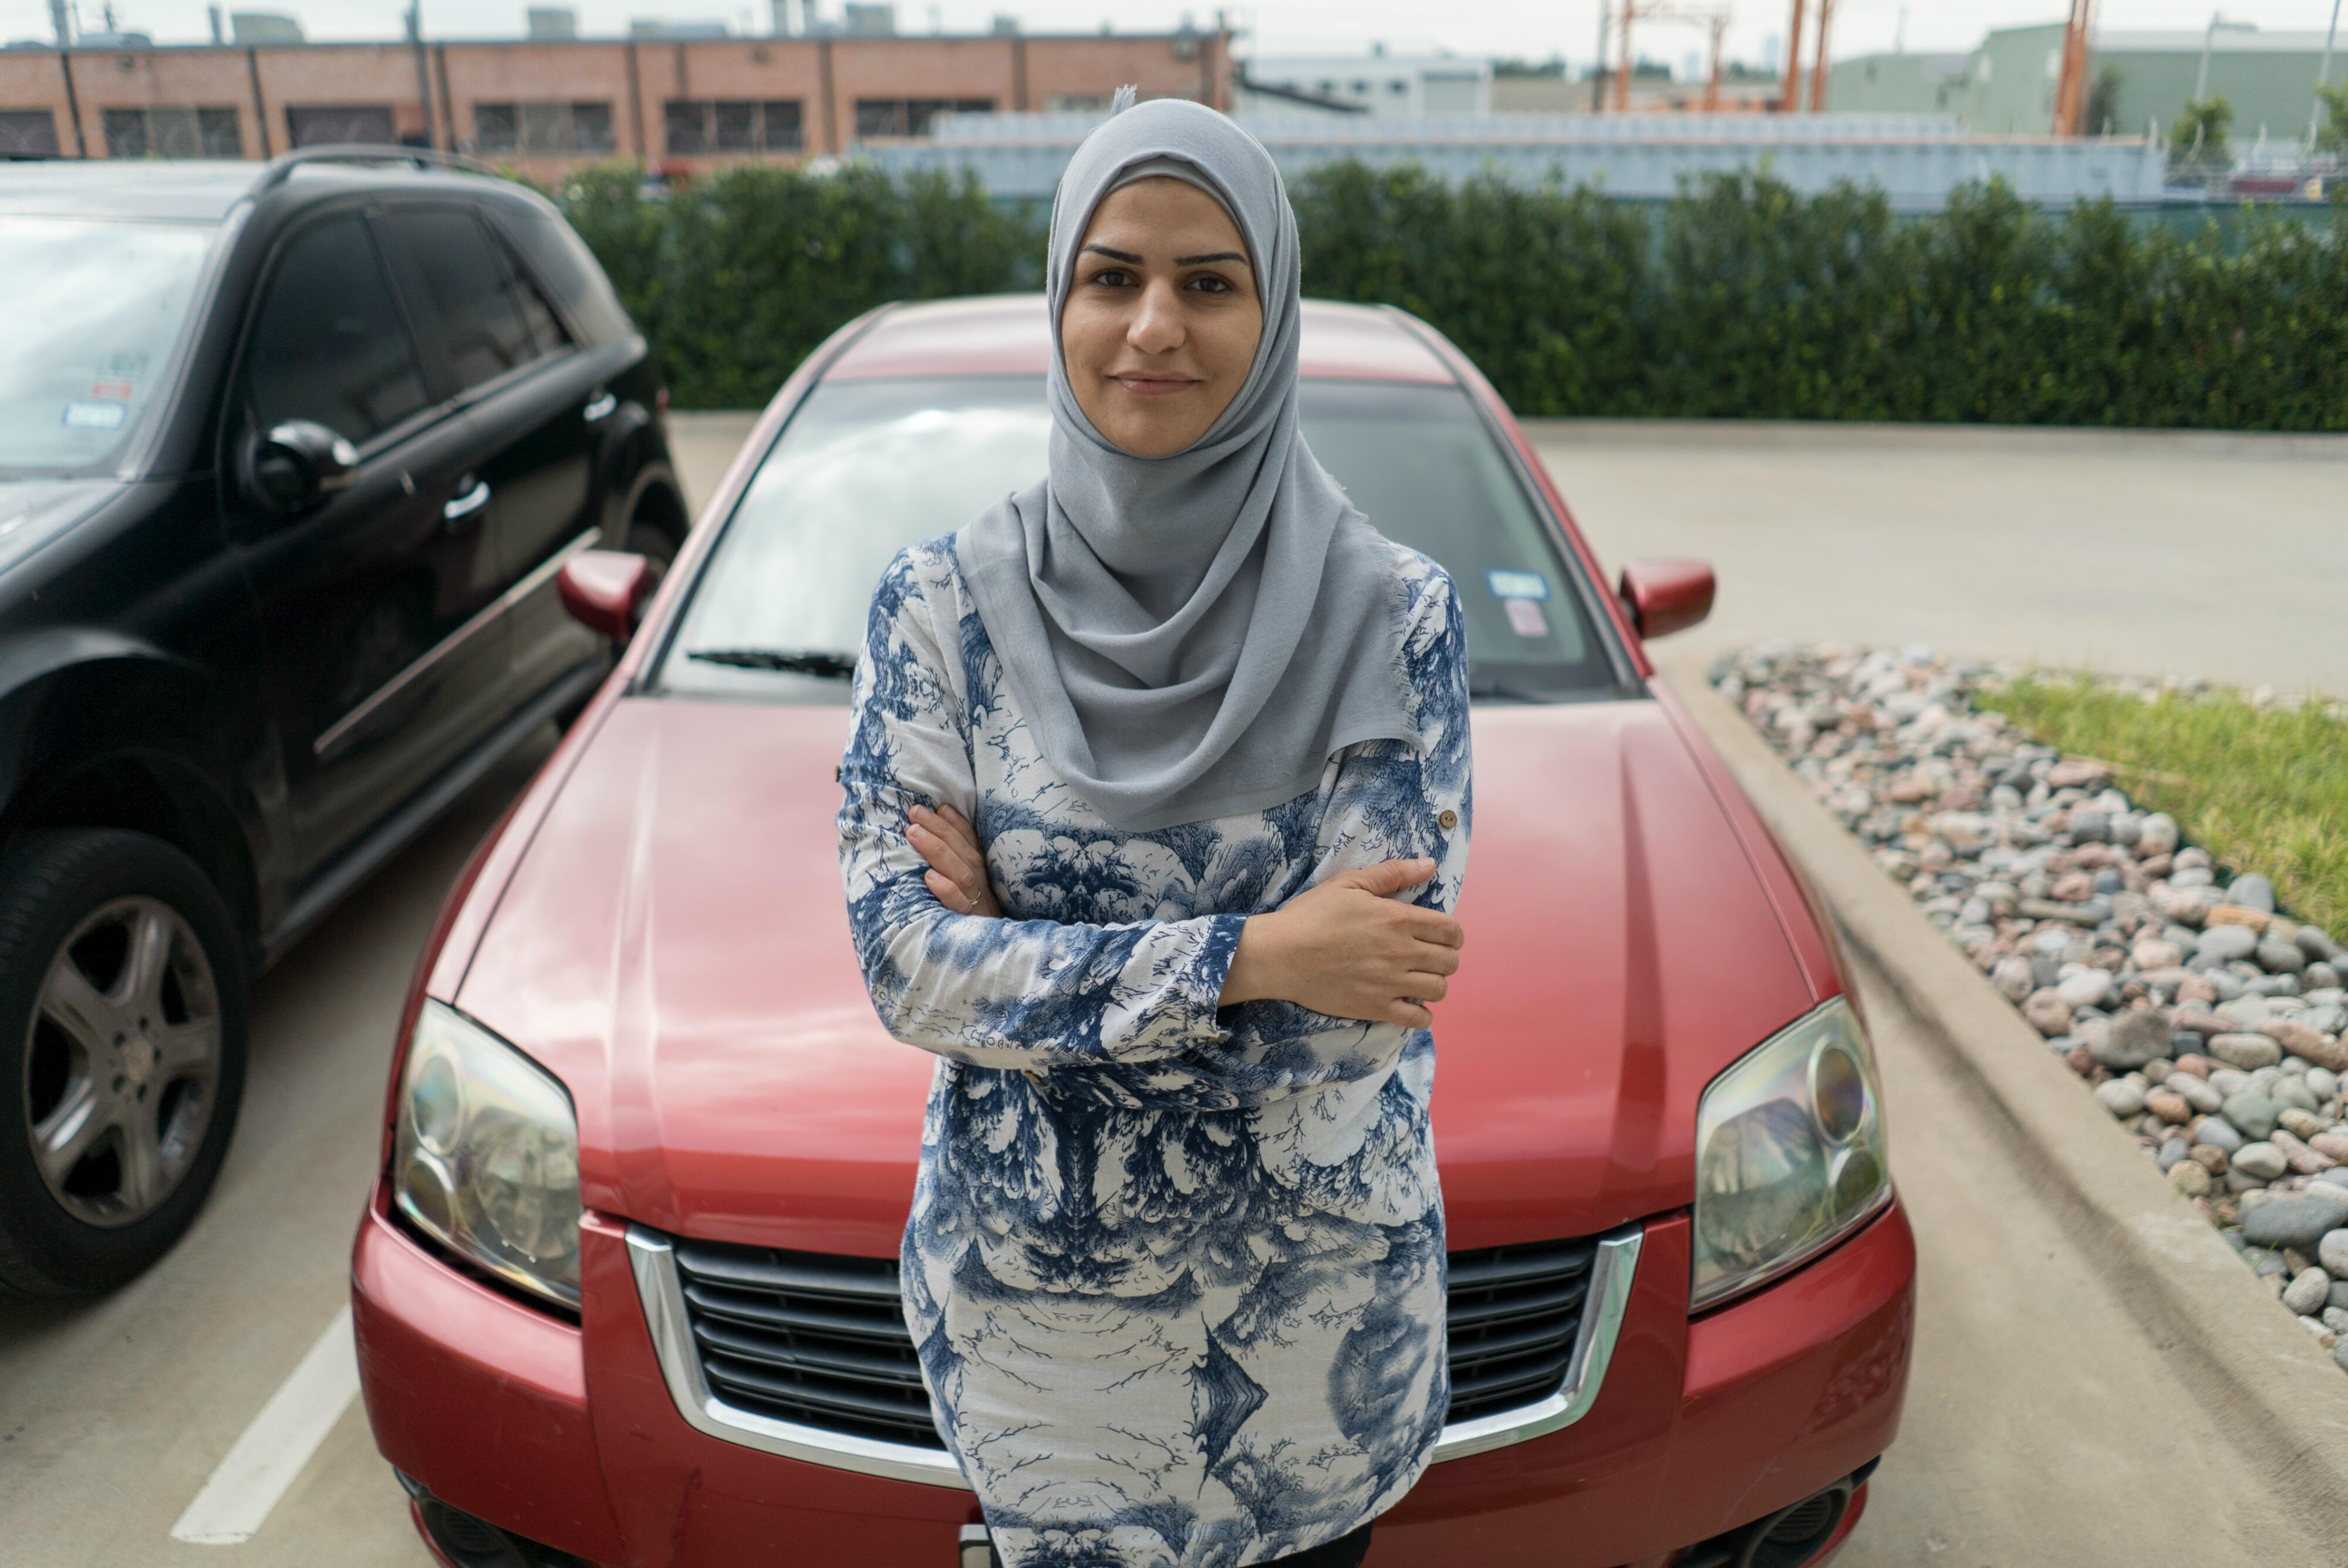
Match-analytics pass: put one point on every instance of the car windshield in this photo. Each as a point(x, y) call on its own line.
point(94, 312)
point(866, 467)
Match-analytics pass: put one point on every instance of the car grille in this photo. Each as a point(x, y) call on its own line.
point(819, 1340)
point(1516, 1314)
point(807, 1337)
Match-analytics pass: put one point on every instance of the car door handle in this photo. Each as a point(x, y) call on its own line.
point(466, 505)
point(600, 409)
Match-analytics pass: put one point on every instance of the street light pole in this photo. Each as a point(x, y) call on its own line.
point(423, 71)
point(2323, 74)
point(2201, 82)
point(1598, 69)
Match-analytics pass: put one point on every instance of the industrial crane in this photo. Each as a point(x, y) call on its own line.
point(1714, 18)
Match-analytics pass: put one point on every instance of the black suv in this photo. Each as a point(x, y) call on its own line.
point(291, 457)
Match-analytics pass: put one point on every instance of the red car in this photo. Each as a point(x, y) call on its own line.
point(625, 1291)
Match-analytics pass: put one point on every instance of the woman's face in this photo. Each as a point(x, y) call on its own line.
point(1162, 319)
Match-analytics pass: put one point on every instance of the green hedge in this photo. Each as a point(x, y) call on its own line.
point(737, 276)
point(1738, 299)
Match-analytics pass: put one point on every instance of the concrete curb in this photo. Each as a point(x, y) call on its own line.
point(2270, 1390)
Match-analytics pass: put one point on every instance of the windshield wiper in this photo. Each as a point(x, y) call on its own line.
point(1506, 692)
point(826, 665)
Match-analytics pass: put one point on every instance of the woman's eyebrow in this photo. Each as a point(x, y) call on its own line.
point(1211, 256)
point(1128, 257)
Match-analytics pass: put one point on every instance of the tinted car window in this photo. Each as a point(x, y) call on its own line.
point(330, 345)
point(94, 314)
point(564, 264)
point(866, 467)
point(470, 297)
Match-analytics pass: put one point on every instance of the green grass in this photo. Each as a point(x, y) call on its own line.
point(2261, 789)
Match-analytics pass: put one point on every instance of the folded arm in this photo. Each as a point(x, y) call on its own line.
point(1340, 945)
point(992, 992)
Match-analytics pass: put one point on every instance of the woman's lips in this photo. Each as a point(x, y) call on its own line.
point(1155, 386)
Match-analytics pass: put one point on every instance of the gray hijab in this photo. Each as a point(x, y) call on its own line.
point(1192, 636)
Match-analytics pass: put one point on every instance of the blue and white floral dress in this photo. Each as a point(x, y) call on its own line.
point(1175, 1273)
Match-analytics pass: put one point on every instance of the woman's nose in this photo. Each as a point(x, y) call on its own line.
point(1157, 325)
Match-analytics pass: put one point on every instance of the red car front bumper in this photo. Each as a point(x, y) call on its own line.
point(566, 1435)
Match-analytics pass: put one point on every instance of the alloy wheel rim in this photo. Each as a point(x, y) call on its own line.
point(122, 1061)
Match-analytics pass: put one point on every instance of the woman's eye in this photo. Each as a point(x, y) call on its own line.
point(1211, 285)
point(1112, 278)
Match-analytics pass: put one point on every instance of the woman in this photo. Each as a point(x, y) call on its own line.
point(1140, 760)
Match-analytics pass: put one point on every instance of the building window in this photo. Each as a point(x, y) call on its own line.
point(542, 131)
point(728, 125)
point(331, 125)
point(28, 133)
point(173, 133)
point(912, 117)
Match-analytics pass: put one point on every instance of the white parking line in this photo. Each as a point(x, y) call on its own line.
point(264, 1461)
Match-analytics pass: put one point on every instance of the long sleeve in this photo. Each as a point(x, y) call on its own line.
point(1391, 801)
point(996, 993)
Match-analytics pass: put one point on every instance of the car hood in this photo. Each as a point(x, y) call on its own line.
point(35, 511)
point(673, 944)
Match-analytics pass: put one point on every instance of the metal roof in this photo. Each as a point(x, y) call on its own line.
point(1916, 160)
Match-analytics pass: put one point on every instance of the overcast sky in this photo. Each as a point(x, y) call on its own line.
point(1529, 28)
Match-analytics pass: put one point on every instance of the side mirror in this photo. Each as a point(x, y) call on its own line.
point(1664, 595)
point(603, 589)
point(299, 464)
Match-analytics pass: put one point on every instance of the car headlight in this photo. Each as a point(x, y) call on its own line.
point(485, 1157)
point(1788, 1153)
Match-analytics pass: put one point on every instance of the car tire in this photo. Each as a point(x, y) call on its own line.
point(122, 1051)
point(650, 540)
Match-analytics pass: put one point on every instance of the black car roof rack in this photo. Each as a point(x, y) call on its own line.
point(280, 168)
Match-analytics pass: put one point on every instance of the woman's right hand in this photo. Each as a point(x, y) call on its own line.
point(1347, 950)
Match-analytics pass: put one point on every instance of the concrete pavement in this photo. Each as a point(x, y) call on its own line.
point(2152, 552)
point(2042, 1424)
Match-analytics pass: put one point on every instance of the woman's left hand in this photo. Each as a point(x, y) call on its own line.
point(957, 874)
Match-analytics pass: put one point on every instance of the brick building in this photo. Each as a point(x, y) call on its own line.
point(679, 105)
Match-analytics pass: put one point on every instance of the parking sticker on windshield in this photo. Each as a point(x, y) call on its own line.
point(96, 416)
point(112, 391)
point(1518, 584)
point(1524, 618)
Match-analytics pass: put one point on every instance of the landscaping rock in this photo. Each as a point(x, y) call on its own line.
point(2253, 891)
point(2219, 1133)
point(2050, 1015)
point(2253, 1113)
point(2299, 1222)
point(2304, 1124)
point(2258, 1162)
point(2247, 1052)
point(2136, 1039)
point(2123, 1097)
point(2194, 1091)
point(2210, 1022)
point(2306, 1292)
point(2302, 1158)
point(2279, 957)
point(2323, 1049)
point(2225, 944)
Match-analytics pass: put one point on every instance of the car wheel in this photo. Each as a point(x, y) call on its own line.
point(122, 1037)
point(652, 541)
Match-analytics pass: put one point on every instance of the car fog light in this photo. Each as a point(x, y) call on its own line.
point(485, 1154)
point(1789, 1154)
